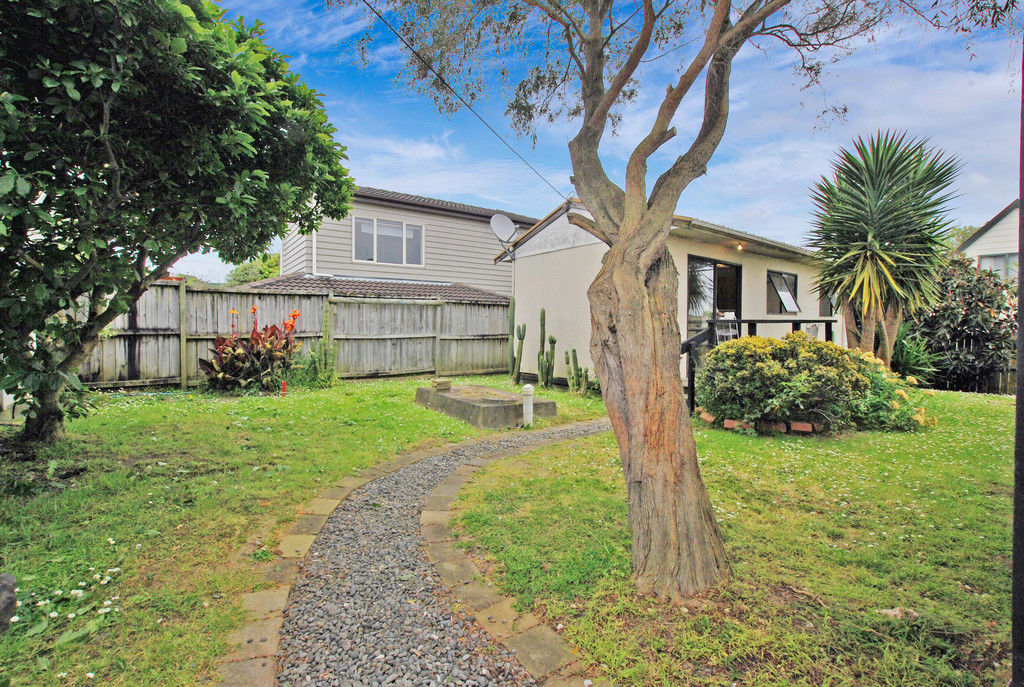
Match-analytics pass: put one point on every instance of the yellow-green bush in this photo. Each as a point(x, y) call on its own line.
point(765, 380)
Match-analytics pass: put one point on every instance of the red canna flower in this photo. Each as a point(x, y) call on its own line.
point(253, 310)
point(289, 325)
point(295, 314)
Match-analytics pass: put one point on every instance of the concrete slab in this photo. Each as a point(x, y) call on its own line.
point(482, 406)
point(440, 517)
point(256, 672)
point(477, 595)
point(540, 650)
point(501, 619)
point(337, 493)
point(308, 524)
point(296, 545)
point(280, 571)
point(452, 565)
point(354, 482)
point(256, 640)
point(320, 506)
point(435, 532)
point(266, 602)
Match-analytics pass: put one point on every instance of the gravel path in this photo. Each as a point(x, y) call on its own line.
point(369, 610)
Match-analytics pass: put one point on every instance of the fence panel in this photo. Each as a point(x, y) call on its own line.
point(374, 336)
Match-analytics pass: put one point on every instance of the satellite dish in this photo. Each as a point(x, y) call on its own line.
point(504, 229)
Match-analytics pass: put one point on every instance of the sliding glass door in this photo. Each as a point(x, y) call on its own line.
point(712, 292)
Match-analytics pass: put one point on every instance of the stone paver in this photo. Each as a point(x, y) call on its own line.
point(540, 649)
point(296, 545)
point(266, 602)
point(257, 640)
point(308, 524)
point(255, 671)
point(321, 506)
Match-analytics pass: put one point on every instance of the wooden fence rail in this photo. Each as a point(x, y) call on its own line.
point(172, 326)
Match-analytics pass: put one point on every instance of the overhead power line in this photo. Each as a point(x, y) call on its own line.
point(462, 100)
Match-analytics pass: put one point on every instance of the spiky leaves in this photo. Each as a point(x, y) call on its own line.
point(880, 229)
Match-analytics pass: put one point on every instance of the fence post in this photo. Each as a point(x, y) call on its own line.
point(438, 319)
point(182, 336)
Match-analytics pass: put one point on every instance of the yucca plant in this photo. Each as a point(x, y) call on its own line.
point(879, 232)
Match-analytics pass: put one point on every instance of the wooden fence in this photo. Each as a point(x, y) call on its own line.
point(172, 326)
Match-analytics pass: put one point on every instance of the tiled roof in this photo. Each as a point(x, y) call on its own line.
point(438, 204)
point(345, 287)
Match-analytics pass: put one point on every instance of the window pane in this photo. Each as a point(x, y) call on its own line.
point(727, 291)
point(991, 262)
point(825, 307)
point(363, 239)
point(784, 286)
point(413, 244)
point(700, 292)
point(389, 242)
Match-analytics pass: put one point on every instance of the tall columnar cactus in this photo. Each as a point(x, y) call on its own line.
point(516, 370)
point(540, 348)
point(512, 337)
point(548, 360)
point(579, 378)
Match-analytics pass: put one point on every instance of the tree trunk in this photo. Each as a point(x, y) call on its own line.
point(677, 547)
point(891, 320)
point(46, 424)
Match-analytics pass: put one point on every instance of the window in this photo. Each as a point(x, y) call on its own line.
point(1004, 265)
point(387, 242)
point(826, 308)
point(781, 293)
point(713, 292)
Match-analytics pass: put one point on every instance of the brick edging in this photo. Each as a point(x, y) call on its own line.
point(547, 657)
point(252, 661)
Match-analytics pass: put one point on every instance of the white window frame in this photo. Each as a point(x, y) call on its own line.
point(792, 294)
point(405, 242)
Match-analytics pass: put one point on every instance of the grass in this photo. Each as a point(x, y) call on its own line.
point(823, 534)
point(161, 505)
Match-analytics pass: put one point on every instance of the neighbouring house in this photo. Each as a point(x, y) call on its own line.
point(994, 246)
point(394, 238)
point(724, 274)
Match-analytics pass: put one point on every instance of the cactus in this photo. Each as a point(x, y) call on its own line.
point(512, 337)
point(579, 378)
point(545, 359)
point(516, 372)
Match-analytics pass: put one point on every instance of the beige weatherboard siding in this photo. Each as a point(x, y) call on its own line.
point(555, 266)
point(456, 246)
point(994, 246)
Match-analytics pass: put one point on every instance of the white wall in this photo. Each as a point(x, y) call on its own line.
point(555, 268)
point(999, 240)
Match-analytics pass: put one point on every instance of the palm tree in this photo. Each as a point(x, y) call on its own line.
point(880, 231)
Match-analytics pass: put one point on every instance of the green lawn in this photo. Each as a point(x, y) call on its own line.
point(175, 497)
point(823, 534)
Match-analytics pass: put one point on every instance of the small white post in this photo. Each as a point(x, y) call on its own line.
point(527, 405)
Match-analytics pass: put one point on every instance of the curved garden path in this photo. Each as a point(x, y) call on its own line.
point(369, 609)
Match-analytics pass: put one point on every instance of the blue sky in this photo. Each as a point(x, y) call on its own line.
point(775, 147)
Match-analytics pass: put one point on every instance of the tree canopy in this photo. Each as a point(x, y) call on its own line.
point(263, 267)
point(136, 132)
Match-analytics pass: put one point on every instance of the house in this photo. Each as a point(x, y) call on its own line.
point(994, 246)
point(730, 274)
point(399, 245)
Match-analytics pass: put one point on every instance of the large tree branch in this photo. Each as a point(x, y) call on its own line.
point(660, 133)
point(599, 116)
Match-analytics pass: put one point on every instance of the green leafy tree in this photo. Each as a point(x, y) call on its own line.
point(264, 267)
point(135, 132)
point(971, 328)
point(587, 61)
point(880, 234)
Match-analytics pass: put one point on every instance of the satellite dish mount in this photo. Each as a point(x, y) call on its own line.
point(504, 230)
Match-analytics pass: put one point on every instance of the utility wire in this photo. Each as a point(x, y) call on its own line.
point(462, 100)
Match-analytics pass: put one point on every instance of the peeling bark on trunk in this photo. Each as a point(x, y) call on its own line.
point(677, 546)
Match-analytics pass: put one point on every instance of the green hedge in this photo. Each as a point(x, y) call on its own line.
point(796, 378)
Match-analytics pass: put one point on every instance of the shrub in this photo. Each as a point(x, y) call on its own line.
point(259, 361)
point(912, 357)
point(972, 328)
point(797, 378)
